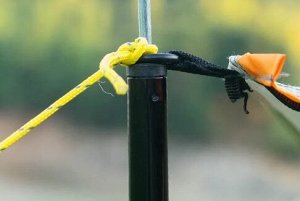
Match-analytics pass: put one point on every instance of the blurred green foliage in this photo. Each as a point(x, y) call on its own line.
point(47, 47)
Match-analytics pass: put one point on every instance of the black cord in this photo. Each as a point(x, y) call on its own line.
point(192, 64)
point(236, 88)
point(235, 85)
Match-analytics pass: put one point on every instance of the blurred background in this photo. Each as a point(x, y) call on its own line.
point(216, 151)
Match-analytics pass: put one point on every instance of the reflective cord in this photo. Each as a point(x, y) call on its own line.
point(126, 55)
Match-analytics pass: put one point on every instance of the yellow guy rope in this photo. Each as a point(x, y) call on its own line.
point(126, 55)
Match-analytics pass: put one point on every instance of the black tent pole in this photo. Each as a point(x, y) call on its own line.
point(147, 123)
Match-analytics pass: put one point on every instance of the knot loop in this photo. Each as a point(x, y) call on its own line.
point(126, 55)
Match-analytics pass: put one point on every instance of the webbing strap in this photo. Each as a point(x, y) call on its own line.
point(235, 85)
point(127, 54)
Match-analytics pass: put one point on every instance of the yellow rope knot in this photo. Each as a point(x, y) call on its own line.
point(126, 55)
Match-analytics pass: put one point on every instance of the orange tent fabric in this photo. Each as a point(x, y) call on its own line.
point(266, 69)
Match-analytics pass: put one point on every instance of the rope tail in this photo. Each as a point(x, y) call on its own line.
point(40, 118)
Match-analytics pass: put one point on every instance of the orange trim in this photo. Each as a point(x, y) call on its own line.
point(286, 93)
